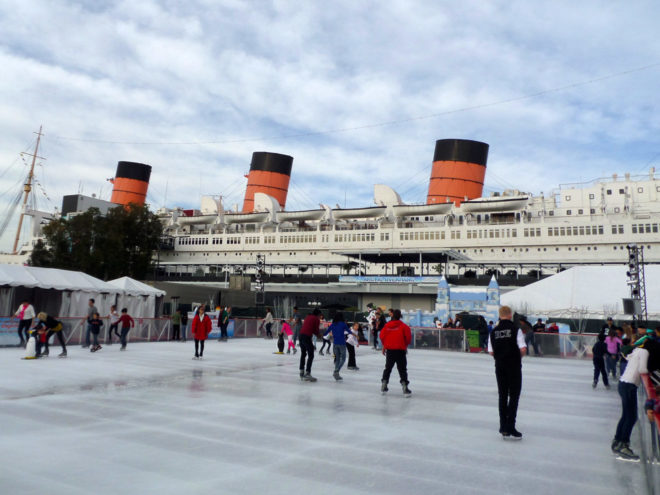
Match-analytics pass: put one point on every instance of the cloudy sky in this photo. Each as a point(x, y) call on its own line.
point(356, 91)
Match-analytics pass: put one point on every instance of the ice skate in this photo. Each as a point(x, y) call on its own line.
point(45, 353)
point(321, 353)
point(383, 386)
point(62, 354)
point(123, 348)
point(593, 385)
point(288, 351)
point(337, 376)
point(295, 350)
point(514, 434)
point(308, 377)
point(406, 390)
point(616, 445)
point(505, 434)
point(626, 453)
point(302, 375)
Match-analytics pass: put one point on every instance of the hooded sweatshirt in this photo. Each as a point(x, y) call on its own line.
point(395, 335)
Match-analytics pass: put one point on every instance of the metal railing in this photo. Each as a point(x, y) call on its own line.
point(650, 441)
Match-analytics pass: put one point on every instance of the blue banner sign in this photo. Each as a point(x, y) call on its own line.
point(388, 280)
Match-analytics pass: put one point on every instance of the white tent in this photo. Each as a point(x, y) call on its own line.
point(62, 292)
point(584, 292)
point(140, 299)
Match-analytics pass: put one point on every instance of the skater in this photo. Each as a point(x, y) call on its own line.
point(286, 330)
point(639, 362)
point(114, 323)
point(201, 328)
point(126, 324)
point(40, 342)
point(52, 327)
point(613, 349)
point(338, 328)
point(91, 310)
point(507, 346)
point(310, 327)
point(280, 341)
point(268, 323)
point(184, 324)
point(327, 339)
point(395, 337)
point(176, 325)
point(353, 342)
point(599, 350)
point(223, 323)
point(25, 314)
point(296, 320)
point(483, 334)
point(96, 323)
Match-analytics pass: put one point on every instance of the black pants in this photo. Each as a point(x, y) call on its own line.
point(306, 347)
point(628, 393)
point(599, 369)
point(398, 357)
point(24, 325)
point(223, 330)
point(113, 328)
point(375, 335)
point(269, 334)
point(509, 384)
point(351, 355)
point(324, 343)
point(59, 338)
point(176, 330)
point(199, 348)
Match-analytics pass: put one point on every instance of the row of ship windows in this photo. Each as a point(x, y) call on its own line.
point(640, 228)
point(621, 191)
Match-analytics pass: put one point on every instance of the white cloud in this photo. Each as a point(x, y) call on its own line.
point(255, 76)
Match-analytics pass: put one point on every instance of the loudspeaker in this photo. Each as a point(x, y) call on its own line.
point(632, 306)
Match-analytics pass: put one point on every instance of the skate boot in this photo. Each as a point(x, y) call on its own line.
point(383, 386)
point(337, 376)
point(515, 434)
point(45, 353)
point(607, 387)
point(616, 446)
point(302, 375)
point(295, 350)
point(626, 452)
point(406, 390)
point(308, 377)
point(593, 385)
point(123, 348)
point(62, 354)
point(288, 351)
point(321, 353)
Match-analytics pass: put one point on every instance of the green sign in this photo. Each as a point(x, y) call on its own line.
point(473, 338)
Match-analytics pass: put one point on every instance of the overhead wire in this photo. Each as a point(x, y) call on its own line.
point(376, 124)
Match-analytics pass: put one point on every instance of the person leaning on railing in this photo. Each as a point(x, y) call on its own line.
point(643, 359)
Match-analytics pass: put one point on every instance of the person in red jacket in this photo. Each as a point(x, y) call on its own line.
point(309, 328)
point(201, 328)
point(395, 337)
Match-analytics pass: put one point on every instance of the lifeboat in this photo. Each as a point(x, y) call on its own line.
point(495, 204)
point(298, 216)
point(256, 217)
point(415, 210)
point(369, 212)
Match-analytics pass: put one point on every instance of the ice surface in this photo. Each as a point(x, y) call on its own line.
point(152, 420)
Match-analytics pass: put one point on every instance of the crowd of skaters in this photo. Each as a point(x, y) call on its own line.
point(633, 352)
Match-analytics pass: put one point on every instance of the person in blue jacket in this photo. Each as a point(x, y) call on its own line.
point(338, 328)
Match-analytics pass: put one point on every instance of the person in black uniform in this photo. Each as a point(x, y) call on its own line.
point(507, 345)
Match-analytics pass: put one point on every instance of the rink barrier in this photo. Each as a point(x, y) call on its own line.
point(446, 339)
point(458, 339)
point(650, 441)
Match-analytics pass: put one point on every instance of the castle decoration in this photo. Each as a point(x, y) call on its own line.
point(451, 301)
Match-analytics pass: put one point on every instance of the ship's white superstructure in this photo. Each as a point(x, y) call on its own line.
point(588, 223)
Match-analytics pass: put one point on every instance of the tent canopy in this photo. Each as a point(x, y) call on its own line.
point(53, 278)
point(588, 291)
point(134, 287)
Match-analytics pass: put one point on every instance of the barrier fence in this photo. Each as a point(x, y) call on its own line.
point(449, 339)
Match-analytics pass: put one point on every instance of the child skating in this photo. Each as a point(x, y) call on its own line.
point(126, 323)
point(286, 330)
point(395, 337)
point(95, 323)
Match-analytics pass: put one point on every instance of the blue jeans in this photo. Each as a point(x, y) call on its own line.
point(628, 393)
point(610, 363)
point(87, 335)
point(340, 356)
point(124, 334)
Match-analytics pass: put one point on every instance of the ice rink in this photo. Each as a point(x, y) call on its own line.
point(152, 420)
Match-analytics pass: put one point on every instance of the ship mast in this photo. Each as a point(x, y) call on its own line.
point(27, 188)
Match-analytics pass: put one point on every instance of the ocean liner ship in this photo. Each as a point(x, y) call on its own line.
point(456, 229)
